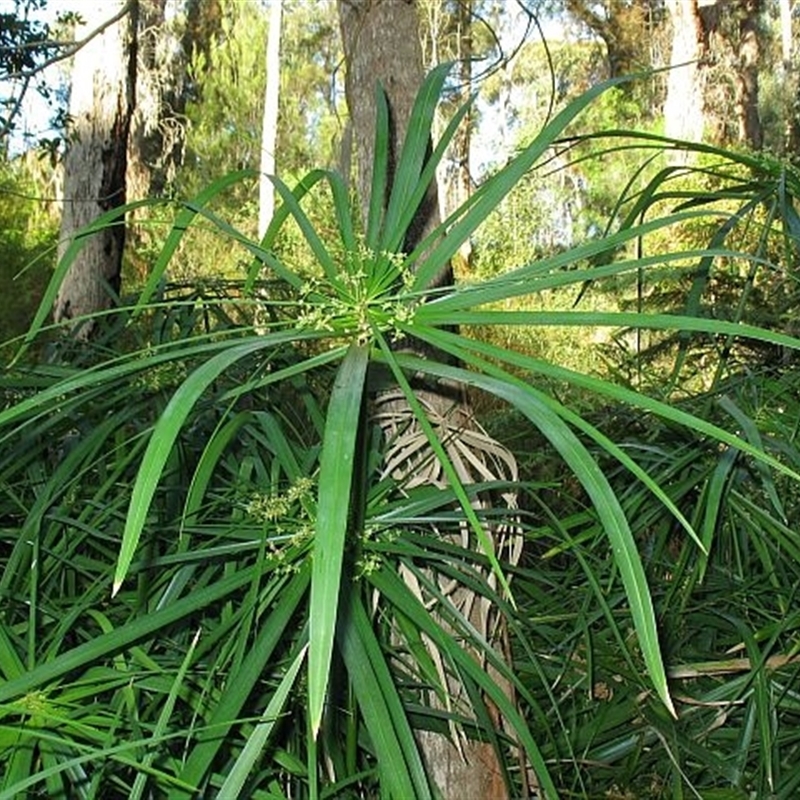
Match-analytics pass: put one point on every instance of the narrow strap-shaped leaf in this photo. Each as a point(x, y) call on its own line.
point(84, 380)
point(11, 665)
point(615, 524)
point(396, 592)
point(278, 442)
point(700, 282)
point(257, 740)
point(428, 314)
point(166, 432)
point(401, 769)
point(532, 404)
point(261, 254)
point(109, 219)
point(182, 222)
point(164, 715)
point(342, 208)
point(751, 432)
point(324, 258)
point(607, 444)
point(445, 341)
point(714, 494)
point(219, 440)
point(282, 213)
point(394, 237)
point(415, 147)
point(230, 703)
point(454, 481)
point(756, 163)
point(492, 192)
point(547, 272)
point(290, 206)
point(337, 463)
point(88, 653)
point(60, 762)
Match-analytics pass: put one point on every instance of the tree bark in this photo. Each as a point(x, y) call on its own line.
point(749, 120)
point(786, 32)
point(381, 44)
point(621, 24)
point(684, 108)
point(157, 138)
point(713, 86)
point(101, 105)
point(203, 28)
point(157, 134)
point(792, 134)
point(461, 183)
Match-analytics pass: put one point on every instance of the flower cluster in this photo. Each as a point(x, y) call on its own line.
point(287, 521)
point(274, 507)
point(362, 298)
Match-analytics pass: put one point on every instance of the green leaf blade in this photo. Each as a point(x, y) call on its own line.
point(337, 465)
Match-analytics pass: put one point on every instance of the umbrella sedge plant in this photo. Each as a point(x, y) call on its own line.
point(211, 503)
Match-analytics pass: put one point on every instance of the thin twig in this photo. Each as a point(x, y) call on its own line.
point(8, 123)
point(70, 51)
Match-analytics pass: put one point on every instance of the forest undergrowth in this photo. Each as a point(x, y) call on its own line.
point(212, 582)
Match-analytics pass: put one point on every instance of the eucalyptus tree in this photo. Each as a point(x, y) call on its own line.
point(788, 59)
point(126, 138)
point(713, 84)
point(625, 27)
point(102, 102)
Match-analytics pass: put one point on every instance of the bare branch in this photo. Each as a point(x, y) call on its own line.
point(75, 46)
point(8, 123)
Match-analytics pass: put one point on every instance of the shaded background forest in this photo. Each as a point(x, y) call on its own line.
point(201, 80)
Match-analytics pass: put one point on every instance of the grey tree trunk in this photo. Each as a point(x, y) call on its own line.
point(786, 32)
point(101, 105)
point(713, 86)
point(684, 116)
point(381, 43)
point(749, 120)
point(157, 134)
point(157, 137)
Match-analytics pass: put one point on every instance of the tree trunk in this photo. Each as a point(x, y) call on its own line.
point(381, 43)
point(786, 32)
point(101, 105)
point(269, 126)
point(622, 25)
point(461, 183)
point(749, 121)
point(792, 134)
point(684, 108)
point(157, 139)
point(202, 29)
